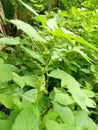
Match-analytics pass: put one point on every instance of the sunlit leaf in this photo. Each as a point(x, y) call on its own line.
point(28, 29)
point(28, 7)
point(6, 72)
point(65, 113)
point(28, 119)
point(73, 87)
point(9, 41)
point(7, 101)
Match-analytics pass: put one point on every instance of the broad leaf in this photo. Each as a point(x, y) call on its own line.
point(53, 125)
point(32, 81)
point(74, 88)
point(28, 119)
point(62, 98)
point(6, 72)
point(65, 113)
point(7, 101)
point(18, 80)
point(30, 96)
point(84, 121)
point(28, 29)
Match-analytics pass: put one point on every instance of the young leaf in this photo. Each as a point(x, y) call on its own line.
point(28, 119)
point(74, 88)
point(28, 29)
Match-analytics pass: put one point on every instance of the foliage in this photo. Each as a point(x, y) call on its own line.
point(49, 73)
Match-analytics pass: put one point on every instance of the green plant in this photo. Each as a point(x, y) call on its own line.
point(48, 75)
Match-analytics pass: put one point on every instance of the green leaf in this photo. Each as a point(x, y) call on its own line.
point(18, 80)
point(74, 88)
point(28, 29)
point(31, 81)
point(62, 98)
point(28, 119)
point(65, 113)
point(6, 72)
point(53, 125)
point(7, 101)
point(9, 41)
point(29, 8)
point(5, 125)
point(33, 54)
point(84, 121)
point(30, 96)
point(62, 32)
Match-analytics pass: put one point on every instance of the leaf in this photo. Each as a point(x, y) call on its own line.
point(7, 101)
point(30, 96)
point(74, 88)
point(62, 32)
point(28, 119)
point(29, 8)
point(84, 55)
point(31, 81)
point(10, 41)
point(84, 121)
point(18, 80)
point(28, 29)
point(62, 98)
point(84, 42)
point(65, 113)
point(52, 24)
point(5, 125)
point(33, 54)
point(53, 125)
point(6, 72)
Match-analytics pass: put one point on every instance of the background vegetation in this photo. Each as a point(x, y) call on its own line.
point(48, 65)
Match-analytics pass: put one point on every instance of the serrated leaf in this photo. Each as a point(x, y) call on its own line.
point(28, 29)
point(74, 88)
point(28, 119)
point(33, 54)
point(10, 41)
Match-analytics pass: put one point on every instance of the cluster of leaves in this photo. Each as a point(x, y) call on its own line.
point(48, 75)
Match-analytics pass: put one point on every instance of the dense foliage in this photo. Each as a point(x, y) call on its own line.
point(49, 65)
